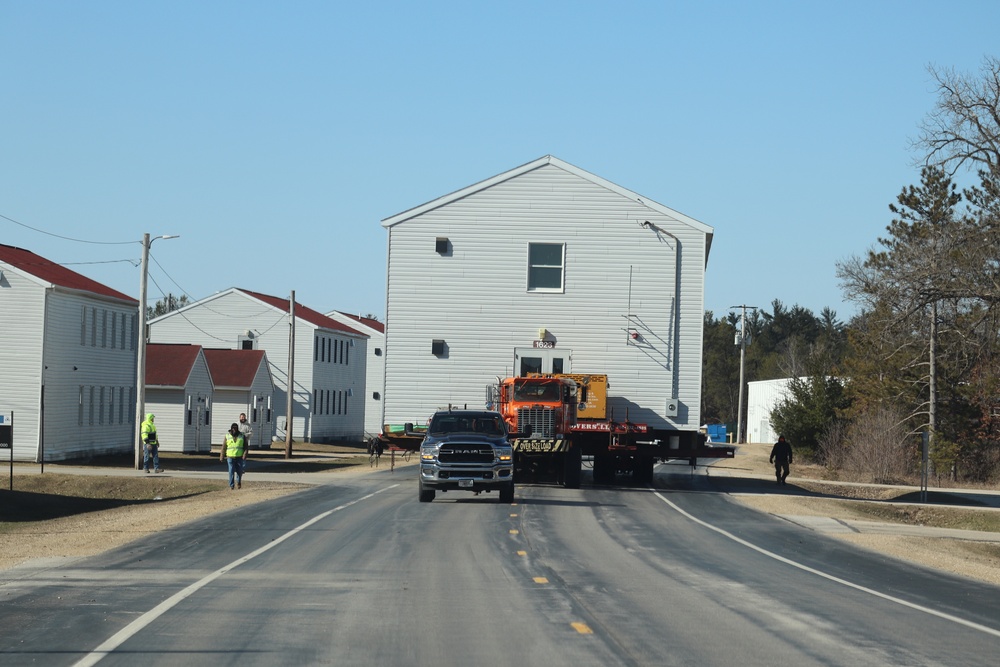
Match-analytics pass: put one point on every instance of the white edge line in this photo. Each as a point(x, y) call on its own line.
point(843, 582)
point(136, 626)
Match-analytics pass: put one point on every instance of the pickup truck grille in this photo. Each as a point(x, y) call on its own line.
point(456, 453)
point(542, 420)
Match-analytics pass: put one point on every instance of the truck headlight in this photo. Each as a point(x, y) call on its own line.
point(505, 455)
point(428, 453)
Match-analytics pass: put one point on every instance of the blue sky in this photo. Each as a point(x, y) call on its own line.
point(289, 130)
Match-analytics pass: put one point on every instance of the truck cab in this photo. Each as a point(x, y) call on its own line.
point(466, 450)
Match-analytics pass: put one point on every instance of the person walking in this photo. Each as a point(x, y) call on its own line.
point(150, 445)
point(245, 429)
point(781, 457)
point(234, 450)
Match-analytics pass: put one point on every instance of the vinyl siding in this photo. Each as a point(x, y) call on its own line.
point(475, 297)
point(40, 344)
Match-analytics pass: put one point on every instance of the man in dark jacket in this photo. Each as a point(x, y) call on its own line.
point(781, 457)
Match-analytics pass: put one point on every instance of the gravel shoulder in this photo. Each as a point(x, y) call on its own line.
point(869, 515)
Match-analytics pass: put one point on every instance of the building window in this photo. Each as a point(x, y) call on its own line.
point(315, 349)
point(114, 329)
point(104, 327)
point(83, 328)
point(315, 398)
point(93, 327)
point(545, 267)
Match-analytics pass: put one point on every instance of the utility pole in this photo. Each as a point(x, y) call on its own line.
point(140, 372)
point(291, 376)
point(741, 340)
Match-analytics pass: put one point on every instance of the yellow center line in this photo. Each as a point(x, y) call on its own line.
point(513, 531)
point(582, 628)
point(541, 580)
point(522, 553)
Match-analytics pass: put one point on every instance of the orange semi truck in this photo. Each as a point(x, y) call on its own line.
point(558, 419)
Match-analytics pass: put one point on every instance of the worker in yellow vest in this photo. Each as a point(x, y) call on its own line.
point(150, 445)
point(234, 450)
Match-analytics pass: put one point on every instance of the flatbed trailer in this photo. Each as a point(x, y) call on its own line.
point(627, 448)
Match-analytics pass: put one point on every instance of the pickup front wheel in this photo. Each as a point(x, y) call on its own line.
point(426, 495)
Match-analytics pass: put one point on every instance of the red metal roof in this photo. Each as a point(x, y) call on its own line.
point(169, 365)
point(305, 313)
point(233, 368)
point(53, 273)
point(369, 322)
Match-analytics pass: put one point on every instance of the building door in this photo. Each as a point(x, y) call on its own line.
point(535, 360)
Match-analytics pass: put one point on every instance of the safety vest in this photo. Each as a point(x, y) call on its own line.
point(234, 446)
point(149, 432)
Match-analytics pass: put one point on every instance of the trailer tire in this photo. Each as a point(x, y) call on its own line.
point(643, 469)
point(572, 464)
point(604, 471)
point(507, 493)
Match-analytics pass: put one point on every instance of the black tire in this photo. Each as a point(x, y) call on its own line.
point(507, 493)
point(426, 495)
point(604, 471)
point(643, 469)
point(572, 464)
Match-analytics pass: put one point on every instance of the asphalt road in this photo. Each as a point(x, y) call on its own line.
point(359, 573)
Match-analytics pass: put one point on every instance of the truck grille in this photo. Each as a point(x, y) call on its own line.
point(542, 420)
point(456, 453)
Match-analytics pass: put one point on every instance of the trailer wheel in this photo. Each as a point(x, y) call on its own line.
point(604, 471)
point(572, 463)
point(643, 469)
point(507, 493)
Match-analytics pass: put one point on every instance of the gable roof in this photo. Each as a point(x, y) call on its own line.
point(170, 365)
point(55, 275)
point(535, 164)
point(304, 313)
point(233, 368)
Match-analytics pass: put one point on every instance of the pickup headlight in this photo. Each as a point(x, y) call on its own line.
point(505, 454)
point(428, 453)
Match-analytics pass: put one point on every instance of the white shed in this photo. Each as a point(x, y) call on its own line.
point(546, 267)
point(179, 393)
point(374, 366)
point(68, 360)
point(243, 384)
point(329, 365)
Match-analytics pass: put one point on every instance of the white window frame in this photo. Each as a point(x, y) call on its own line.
point(561, 266)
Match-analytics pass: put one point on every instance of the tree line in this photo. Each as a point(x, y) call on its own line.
point(921, 358)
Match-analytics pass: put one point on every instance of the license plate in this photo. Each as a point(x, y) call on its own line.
point(465, 483)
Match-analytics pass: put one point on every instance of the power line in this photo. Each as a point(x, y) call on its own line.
point(65, 238)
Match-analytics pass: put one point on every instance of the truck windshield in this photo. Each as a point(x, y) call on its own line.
point(537, 391)
point(482, 424)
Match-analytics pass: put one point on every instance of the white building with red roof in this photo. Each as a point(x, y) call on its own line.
point(179, 393)
point(197, 393)
point(67, 360)
point(242, 381)
point(329, 360)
